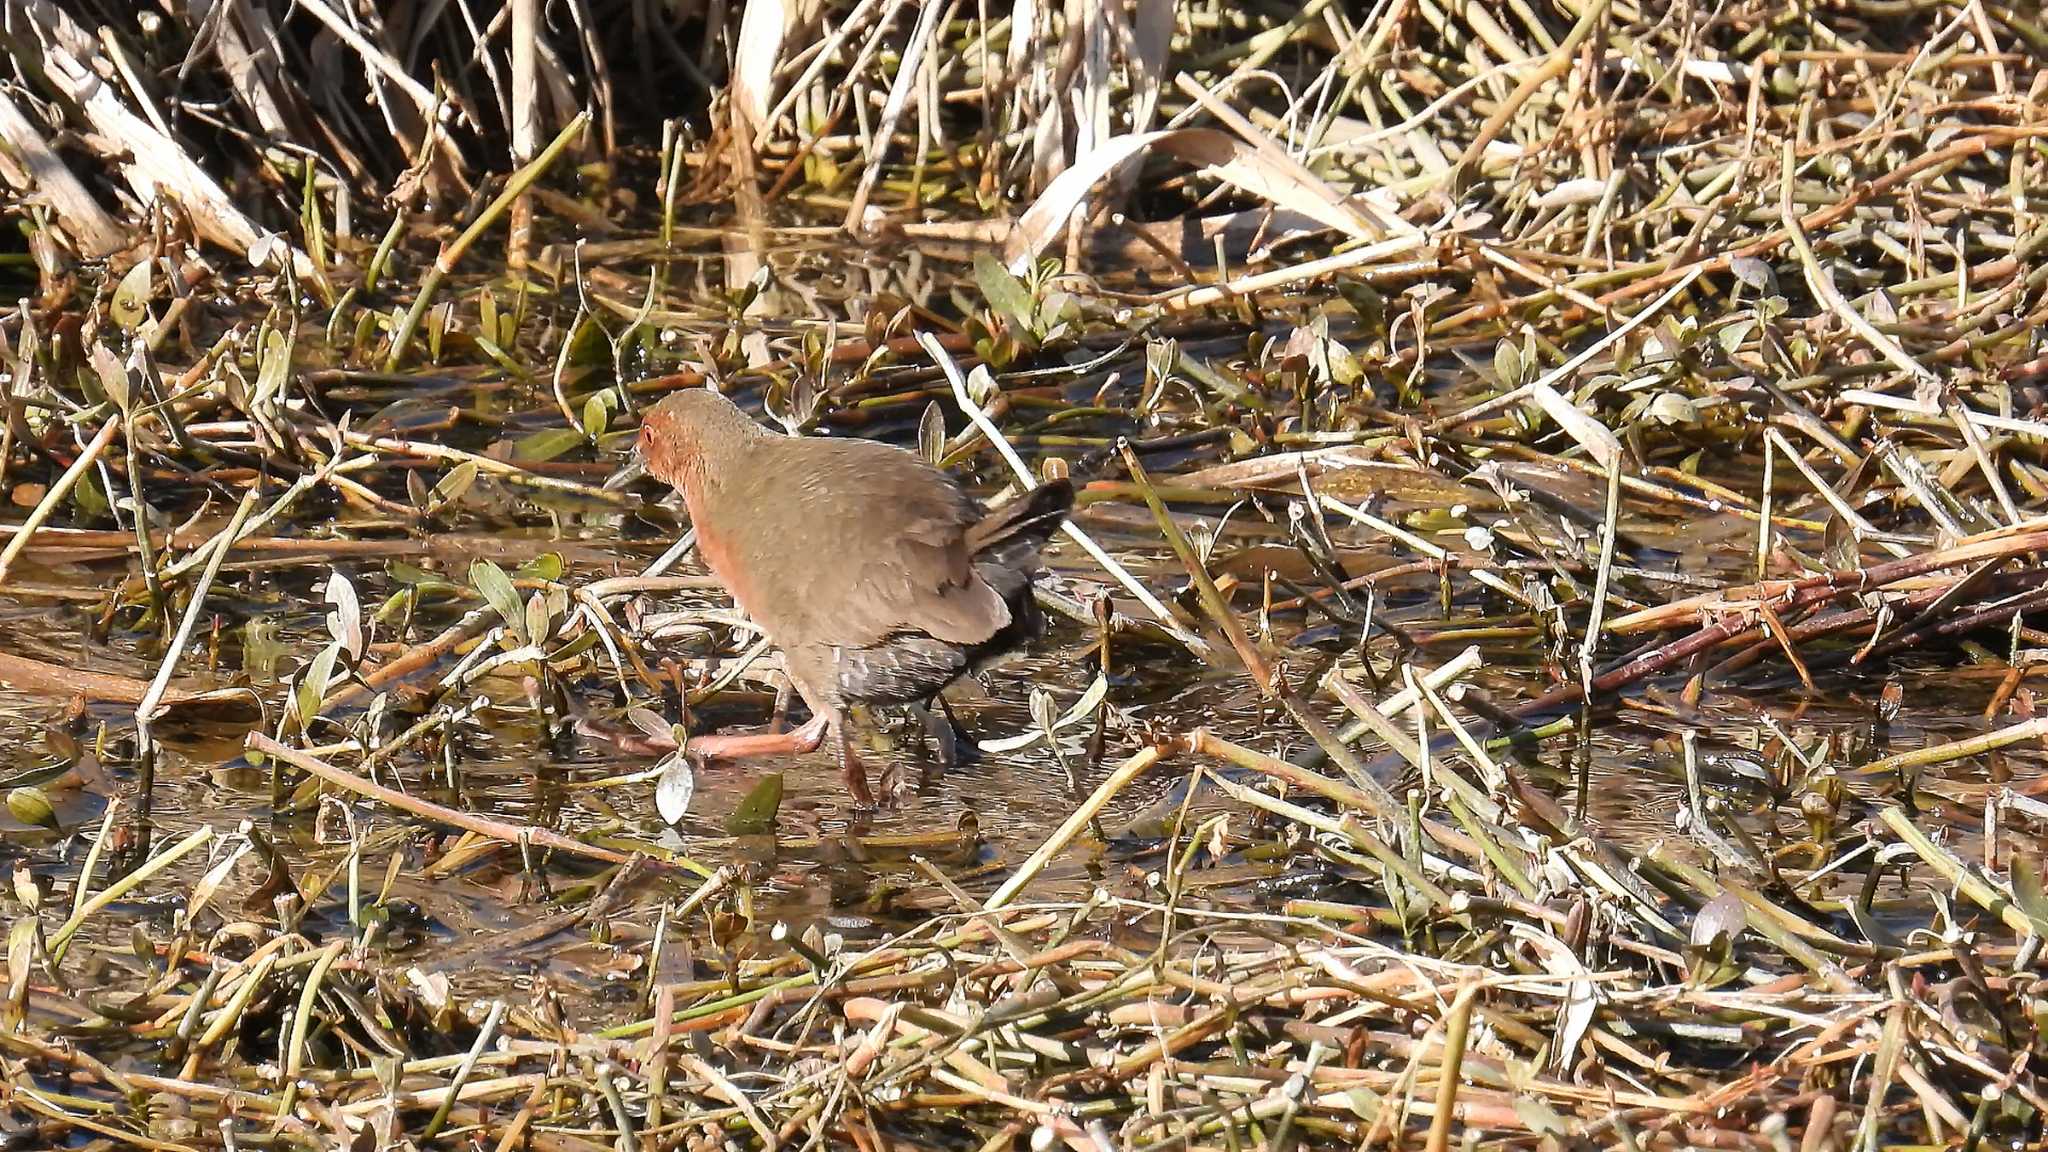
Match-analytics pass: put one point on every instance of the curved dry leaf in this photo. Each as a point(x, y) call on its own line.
point(1217, 153)
point(1599, 443)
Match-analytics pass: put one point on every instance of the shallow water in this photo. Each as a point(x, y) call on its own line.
point(856, 874)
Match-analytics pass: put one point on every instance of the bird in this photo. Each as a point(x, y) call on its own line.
point(879, 577)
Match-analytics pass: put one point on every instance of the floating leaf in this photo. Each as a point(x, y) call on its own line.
point(597, 415)
point(546, 444)
point(756, 814)
point(30, 805)
point(678, 785)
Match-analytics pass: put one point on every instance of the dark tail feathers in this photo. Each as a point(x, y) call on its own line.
point(1011, 536)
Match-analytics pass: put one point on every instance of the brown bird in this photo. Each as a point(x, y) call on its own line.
point(879, 577)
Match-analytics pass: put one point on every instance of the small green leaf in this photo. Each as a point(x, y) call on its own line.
point(755, 815)
point(261, 650)
point(399, 603)
point(412, 575)
point(1507, 364)
point(498, 592)
point(545, 444)
point(1004, 292)
point(597, 415)
point(90, 501)
point(345, 623)
point(451, 487)
point(274, 368)
point(313, 685)
point(589, 345)
point(2026, 888)
point(112, 376)
point(1753, 272)
point(546, 566)
point(1673, 408)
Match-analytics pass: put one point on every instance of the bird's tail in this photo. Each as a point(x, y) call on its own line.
point(1011, 536)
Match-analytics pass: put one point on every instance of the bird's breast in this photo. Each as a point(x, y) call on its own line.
point(718, 555)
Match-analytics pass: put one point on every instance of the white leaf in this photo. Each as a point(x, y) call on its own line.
point(345, 623)
point(1080, 710)
point(677, 786)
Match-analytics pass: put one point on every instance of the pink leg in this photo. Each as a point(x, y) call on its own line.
point(754, 745)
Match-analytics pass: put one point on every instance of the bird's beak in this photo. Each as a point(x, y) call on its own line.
point(632, 470)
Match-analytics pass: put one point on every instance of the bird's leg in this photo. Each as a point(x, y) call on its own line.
point(850, 767)
point(939, 729)
point(752, 745)
point(964, 750)
point(780, 714)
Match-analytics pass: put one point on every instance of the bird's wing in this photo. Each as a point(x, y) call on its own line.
point(863, 541)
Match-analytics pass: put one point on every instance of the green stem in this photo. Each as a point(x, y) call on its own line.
point(452, 254)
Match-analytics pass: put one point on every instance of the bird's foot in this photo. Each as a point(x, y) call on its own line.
point(755, 745)
point(855, 774)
